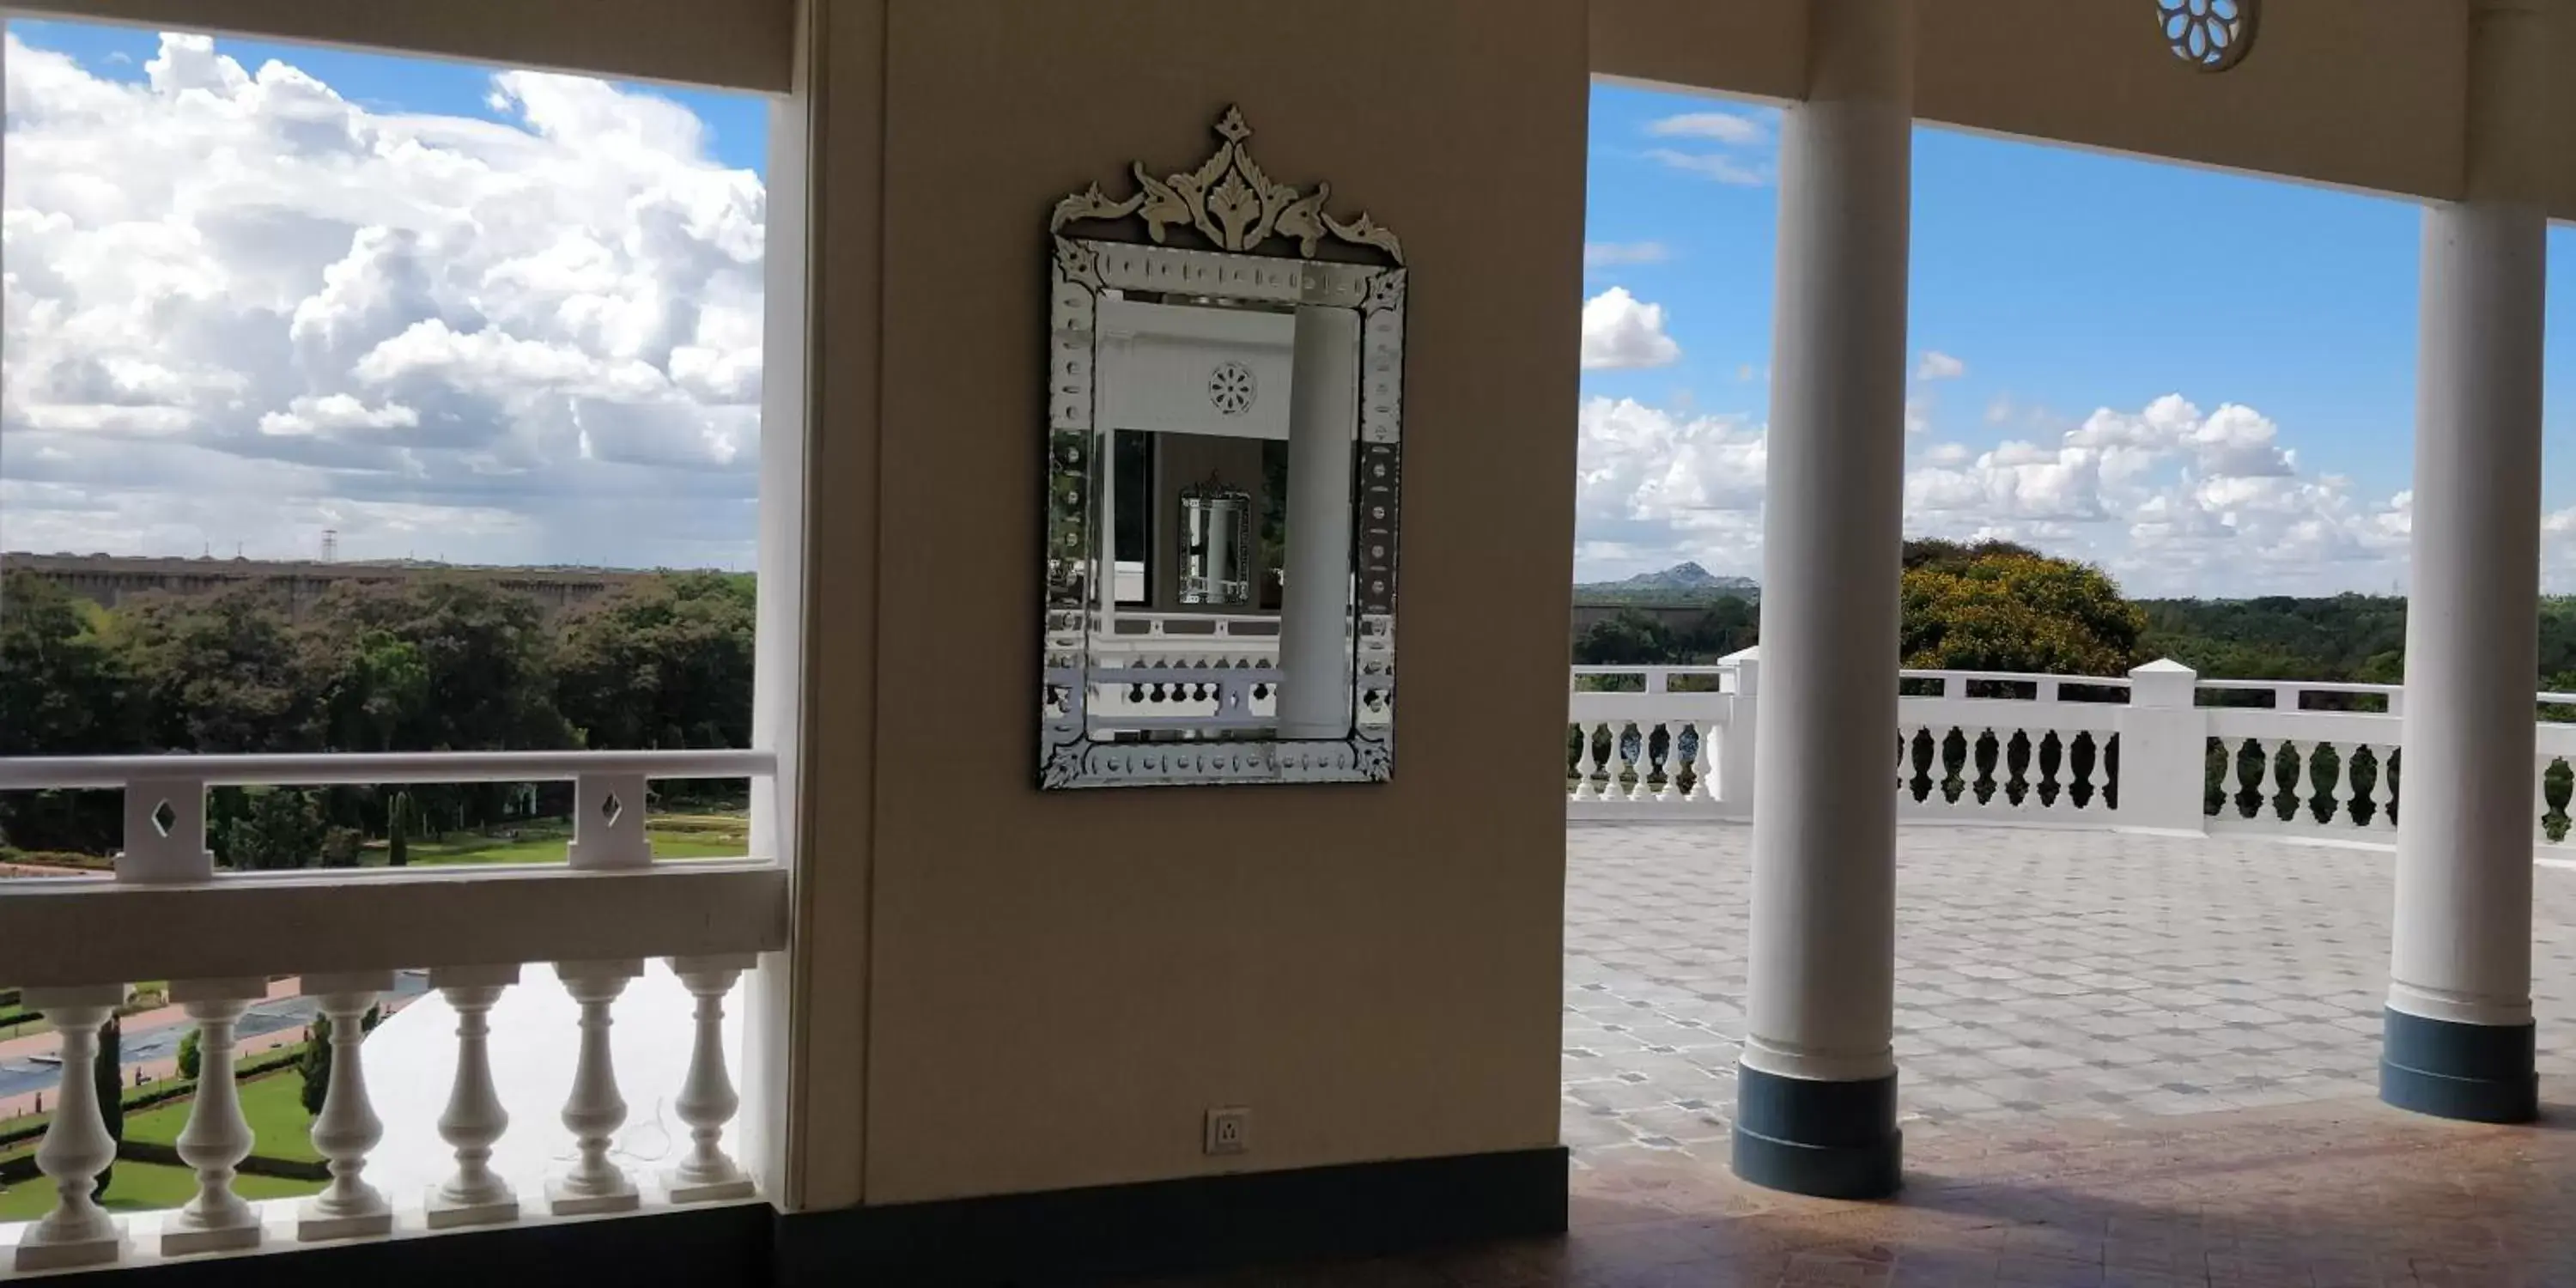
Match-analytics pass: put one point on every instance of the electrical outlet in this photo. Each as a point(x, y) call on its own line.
point(1229, 1130)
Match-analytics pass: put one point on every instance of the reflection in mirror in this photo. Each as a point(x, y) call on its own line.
point(1224, 435)
point(1216, 545)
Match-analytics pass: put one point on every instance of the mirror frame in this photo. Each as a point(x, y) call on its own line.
point(1228, 202)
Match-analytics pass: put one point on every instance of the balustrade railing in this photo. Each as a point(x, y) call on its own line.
point(2159, 749)
point(224, 941)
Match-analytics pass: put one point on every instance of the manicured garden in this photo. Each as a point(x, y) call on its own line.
point(279, 1126)
point(144, 1187)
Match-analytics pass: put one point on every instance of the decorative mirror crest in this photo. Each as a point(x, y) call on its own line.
point(1231, 201)
point(2212, 35)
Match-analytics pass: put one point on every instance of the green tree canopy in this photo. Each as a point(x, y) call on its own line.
point(2002, 607)
point(665, 662)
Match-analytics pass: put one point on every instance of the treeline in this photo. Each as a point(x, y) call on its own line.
point(438, 663)
point(1990, 606)
point(2005, 607)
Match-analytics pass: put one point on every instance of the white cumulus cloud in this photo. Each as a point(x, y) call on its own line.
point(1937, 365)
point(1620, 330)
point(1721, 127)
point(531, 338)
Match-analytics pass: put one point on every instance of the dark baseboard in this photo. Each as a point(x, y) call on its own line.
point(2475, 1072)
point(717, 1247)
point(1205, 1223)
point(1834, 1140)
point(1081, 1236)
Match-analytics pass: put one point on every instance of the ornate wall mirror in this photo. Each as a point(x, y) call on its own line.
point(1224, 440)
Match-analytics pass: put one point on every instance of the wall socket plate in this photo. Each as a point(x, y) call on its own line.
point(1229, 1130)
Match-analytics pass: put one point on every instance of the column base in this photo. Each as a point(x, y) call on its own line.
point(1833, 1140)
point(680, 1189)
point(2474, 1072)
point(444, 1213)
point(563, 1198)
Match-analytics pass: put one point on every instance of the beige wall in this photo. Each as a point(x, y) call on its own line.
point(1059, 984)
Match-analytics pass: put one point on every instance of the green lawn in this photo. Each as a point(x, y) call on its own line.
point(278, 1124)
point(549, 848)
point(686, 837)
point(144, 1187)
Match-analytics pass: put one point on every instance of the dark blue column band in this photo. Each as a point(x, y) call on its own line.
point(1835, 1140)
point(2479, 1072)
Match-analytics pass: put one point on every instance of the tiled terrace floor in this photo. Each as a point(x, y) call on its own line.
point(2060, 975)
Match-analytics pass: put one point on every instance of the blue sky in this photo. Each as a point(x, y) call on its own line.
point(2061, 281)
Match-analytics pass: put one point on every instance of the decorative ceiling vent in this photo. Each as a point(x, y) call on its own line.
point(2212, 35)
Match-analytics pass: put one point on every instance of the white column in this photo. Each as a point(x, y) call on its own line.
point(1104, 475)
point(707, 1101)
point(347, 1128)
point(1817, 1091)
point(594, 1111)
point(217, 1137)
point(2459, 1037)
point(77, 1231)
point(1315, 606)
point(474, 1118)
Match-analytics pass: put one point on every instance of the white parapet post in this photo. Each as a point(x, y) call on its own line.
point(2164, 753)
point(1735, 741)
point(1816, 1084)
point(2459, 1039)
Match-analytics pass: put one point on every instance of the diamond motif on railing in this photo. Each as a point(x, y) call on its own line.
point(164, 818)
point(610, 808)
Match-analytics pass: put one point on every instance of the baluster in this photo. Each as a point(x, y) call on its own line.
point(2295, 785)
point(2540, 793)
point(707, 1100)
point(1703, 765)
point(474, 1118)
point(76, 1231)
point(1584, 762)
point(2263, 814)
point(2384, 789)
point(217, 1137)
point(2084, 794)
point(1674, 763)
point(347, 1127)
point(594, 1111)
point(1994, 778)
point(1639, 792)
point(2336, 793)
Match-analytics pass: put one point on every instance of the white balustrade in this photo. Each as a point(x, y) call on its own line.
point(2290, 759)
point(166, 913)
point(594, 1111)
point(76, 1231)
point(474, 1118)
point(347, 1127)
point(707, 1101)
point(217, 1137)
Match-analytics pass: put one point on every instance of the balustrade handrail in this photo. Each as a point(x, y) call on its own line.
point(316, 768)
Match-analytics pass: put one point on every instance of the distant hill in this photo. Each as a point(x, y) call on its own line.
point(1681, 583)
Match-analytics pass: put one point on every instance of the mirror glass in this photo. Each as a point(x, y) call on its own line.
point(1220, 564)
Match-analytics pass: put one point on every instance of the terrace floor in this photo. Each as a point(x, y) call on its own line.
point(2041, 976)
